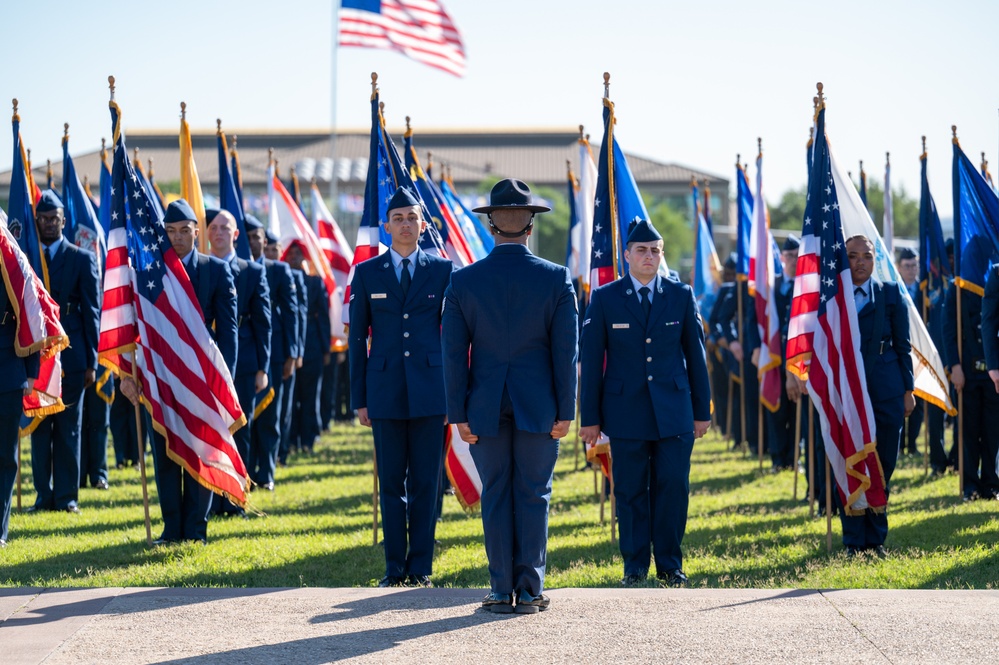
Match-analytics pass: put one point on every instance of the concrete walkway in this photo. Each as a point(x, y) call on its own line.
point(415, 626)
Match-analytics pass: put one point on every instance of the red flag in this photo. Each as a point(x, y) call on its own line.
point(762, 268)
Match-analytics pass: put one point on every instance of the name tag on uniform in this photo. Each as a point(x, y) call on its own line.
point(672, 323)
point(620, 326)
point(378, 296)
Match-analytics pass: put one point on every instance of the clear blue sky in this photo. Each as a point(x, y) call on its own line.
point(694, 83)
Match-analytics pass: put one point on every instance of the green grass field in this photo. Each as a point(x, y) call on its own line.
point(744, 530)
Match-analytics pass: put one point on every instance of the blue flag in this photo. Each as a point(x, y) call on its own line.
point(104, 211)
point(432, 203)
point(431, 240)
point(934, 268)
point(230, 199)
point(705, 274)
point(237, 175)
point(976, 224)
point(573, 223)
point(863, 185)
point(153, 192)
point(21, 209)
point(744, 221)
point(469, 221)
point(82, 227)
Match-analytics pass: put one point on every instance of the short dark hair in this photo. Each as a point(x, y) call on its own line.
point(859, 236)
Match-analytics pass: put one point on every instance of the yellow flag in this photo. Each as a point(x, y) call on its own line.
point(190, 185)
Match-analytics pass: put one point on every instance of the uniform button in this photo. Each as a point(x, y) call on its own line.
point(405, 334)
point(648, 340)
point(407, 355)
point(649, 359)
point(650, 377)
point(405, 316)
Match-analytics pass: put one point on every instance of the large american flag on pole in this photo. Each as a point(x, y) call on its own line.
point(823, 345)
point(151, 313)
point(419, 29)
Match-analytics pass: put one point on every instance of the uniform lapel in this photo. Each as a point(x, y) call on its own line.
point(388, 270)
point(631, 302)
point(421, 273)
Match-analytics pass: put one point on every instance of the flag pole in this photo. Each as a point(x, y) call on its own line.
point(613, 503)
point(19, 473)
point(374, 497)
point(333, 96)
point(811, 459)
point(142, 452)
point(960, 393)
point(743, 439)
point(797, 444)
point(828, 506)
point(926, 322)
point(729, 434)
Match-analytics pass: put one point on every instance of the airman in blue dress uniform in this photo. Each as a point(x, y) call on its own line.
point(644, 383)
point(397, 388)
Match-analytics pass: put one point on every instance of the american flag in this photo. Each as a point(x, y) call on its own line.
point(419, 29)
point(763, 264)
point(823, 344)
point(150, 310)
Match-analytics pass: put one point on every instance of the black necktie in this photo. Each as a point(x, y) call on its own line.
point(405, 279)
point(646, 303)
point(48, 256)
point(859, 291)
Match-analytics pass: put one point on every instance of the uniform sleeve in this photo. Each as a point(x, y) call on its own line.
point(564, 335)
point(357, 340)
point(455, 342)
point(226, 330)
point(951, 356)
point(900, 339)
point(592, 348)
point(290, 322)
point(260, 318)
point(990, 320)
point(90, 307)
point(692, 340)
point(323, 306)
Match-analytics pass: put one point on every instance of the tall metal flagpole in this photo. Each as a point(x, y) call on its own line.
point(960, 360)
point(926, 322)
point(333, 84)
point(743, 439)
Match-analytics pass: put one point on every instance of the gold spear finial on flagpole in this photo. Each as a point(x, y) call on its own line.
point(150, 162)
point(103, 144)
point(218, 126)
point(924, 147)
point(861, 167)
point(111, 86)
point(820, 96)
point(985, 162)
point(312, 180)
point(759, 146)
point(587, 138)
point(693, 180)
point(580, 132)
point(408, 128)
point(65, 134)
point(374, 83)
point(183, 110)
point(887, 159)
point(607, 84)
point(270, 156)
point(48, 171)
point(953, 131)
point(738, 161)
point(15, 109)
point(430, 160)
point(135, 158)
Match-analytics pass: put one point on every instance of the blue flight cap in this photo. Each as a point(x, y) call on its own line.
point(732, 261)
point(791, 243)
point(403, 198)
point(906, 253)
point(251, 222)
point(50, 201)
point(641, 230)
point(179, 211)
point(210, 214)
point(271, 238)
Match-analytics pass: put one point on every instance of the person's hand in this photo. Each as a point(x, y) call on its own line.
point(910, 403)
point(957, 377)
point(701, 428)
point(756, 356)
point(289, 367)
point(560, 428)
point(299, 362)
point(590, 434)
point(30, 386)
point(260, 381)
point(794, 387)
point(89, 376)
point(465, 432)
point(130, 390)
point(362, 416)
point(994, 375)
point(736, 350)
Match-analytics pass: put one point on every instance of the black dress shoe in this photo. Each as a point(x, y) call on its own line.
point(3, 543)
point(267, 486)
point(391, 581)
point(673, 578)
point(36, 509)
point(633, 580)
point(419, 580)
point(852, 552)
point(163, 542)
point(881, 552)
point(498, 603)
point(101, 485)
point(528, 604)
point(72, 508)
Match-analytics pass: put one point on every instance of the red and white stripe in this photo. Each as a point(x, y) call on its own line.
point(420, 29)
point(288, 223)
point(461, 469)
point(761, 287)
